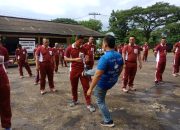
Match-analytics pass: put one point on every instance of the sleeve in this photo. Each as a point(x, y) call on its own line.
point(67, 52)
point(156, 48)
point(102, 64)
point(6, 55)
point(37, 53)
point(85, 51)
point(124, 49)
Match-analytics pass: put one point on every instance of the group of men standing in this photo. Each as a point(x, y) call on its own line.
point(81, 58)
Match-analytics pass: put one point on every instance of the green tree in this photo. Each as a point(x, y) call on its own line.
point(146, 19)
point(65, 20)
point(92, 24)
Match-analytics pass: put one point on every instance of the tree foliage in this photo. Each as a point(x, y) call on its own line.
point(146, 20)
point(65, 20)
point(92, 24)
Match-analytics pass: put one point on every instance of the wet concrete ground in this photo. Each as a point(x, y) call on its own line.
point(149, 108)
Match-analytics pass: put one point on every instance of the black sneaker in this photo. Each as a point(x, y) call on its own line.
point(107, 124)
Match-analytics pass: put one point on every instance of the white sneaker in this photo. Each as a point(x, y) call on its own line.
point(43, 92)
point(125, 90)
point(91, 108)
point(175, 75)
point(132, 89)
point(21, 77)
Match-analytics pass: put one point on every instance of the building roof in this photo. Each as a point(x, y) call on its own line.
point(33, 26)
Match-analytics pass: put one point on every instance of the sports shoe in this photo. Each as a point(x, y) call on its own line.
point(132, 89)
point(53, 90)
point(35, 83)
point(73, 103)
point(175, 75)
point(91, 108)
point(125, 90)
point(21, 77)
point(107, 124)
point(156, 83)
point(43, 92)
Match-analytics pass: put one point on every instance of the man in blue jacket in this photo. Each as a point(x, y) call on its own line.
point(108, 70)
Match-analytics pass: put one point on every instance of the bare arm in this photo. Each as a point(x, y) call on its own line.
point(72, 59)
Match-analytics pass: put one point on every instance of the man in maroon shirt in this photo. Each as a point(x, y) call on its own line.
point(131, 53)
point(5, 107)
point(37, 77)
point(120, 48)
point(91, 48)
point(160, 54)
point(62, 50)
point(176, 64)
point(22, 60)
point(45, 62)
point(145, 48)
point(56, 50)
point(78, 55)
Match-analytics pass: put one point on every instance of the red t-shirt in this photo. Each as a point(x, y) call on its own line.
point(73, 52)
point(21, 54)
point(45, 54)
point(131, 53)
point(56, 52)
point(177, 48)
point(4, 54)
point(91, 48)
point(145, 48)
point(119, 49)
point(161, 51)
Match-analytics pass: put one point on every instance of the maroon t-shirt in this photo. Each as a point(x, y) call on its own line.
point(161, 51)
point(177, 48)
point(91, 48)
point(45, 54)
point(21, 54)
point(56, 52)
point(4, 52)
point(131, 53)
point(73, 52)
point(145, 48)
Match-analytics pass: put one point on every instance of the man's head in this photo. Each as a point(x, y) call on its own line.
point(163, 41)
point(79, 40)
point(56, 45)
point(45, 42)
point(19, 46)
point(108, 42)
point(132, 40)
point(146, 43)
point(91, 40)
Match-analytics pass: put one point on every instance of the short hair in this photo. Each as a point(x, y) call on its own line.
point(19, 45)
point(79, 37)
point(132, 36)
point(163, 38)
point(110, 40)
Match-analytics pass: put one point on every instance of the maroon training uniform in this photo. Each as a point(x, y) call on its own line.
point(145, 52)
point(76, 69)
point(57, 57)
point(46, 63)
point(63, 62)
point(131, 53)
point(120, 49)
point(176, 63)
point(37, 78)
point(91, 48)
point(161, 51)
point(21, 57)
point(5, 107)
